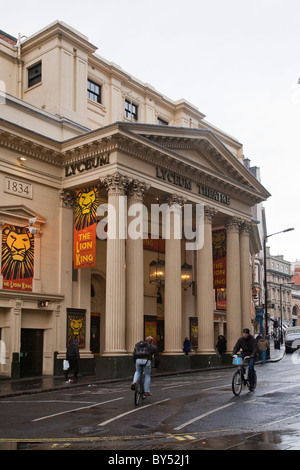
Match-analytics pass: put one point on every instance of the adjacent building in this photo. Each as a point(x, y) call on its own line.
point(279, 281)
point(95, 167)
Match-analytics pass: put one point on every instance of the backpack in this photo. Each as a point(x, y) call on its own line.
point(142, 350)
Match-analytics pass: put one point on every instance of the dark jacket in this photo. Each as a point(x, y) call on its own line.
point(73, 351)
point(247, 345)
point(152, 350)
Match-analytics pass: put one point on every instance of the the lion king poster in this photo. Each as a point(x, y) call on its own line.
point(85, 224)
point(76, 326)
point(17, 261)
point(219, 258)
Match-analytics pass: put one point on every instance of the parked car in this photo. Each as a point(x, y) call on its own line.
point(292, 342)
point(292, 329)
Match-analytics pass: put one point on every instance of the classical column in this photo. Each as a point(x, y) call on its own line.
point(116, 186)
point(135, 265)
point(205, 301)
point(233, 284)
point(173, 335)
point(245, 274)
point(65, 269)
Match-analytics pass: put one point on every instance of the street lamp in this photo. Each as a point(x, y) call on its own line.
point(265, 272)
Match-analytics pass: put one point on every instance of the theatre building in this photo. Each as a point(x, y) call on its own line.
point(122, 214)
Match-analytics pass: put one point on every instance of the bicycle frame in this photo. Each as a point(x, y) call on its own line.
point(241, 376)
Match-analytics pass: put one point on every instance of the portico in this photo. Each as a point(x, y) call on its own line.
point(140, 174)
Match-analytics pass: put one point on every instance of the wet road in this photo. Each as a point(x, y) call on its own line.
point(196, 411)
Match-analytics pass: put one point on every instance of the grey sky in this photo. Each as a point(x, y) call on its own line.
point(237, 61)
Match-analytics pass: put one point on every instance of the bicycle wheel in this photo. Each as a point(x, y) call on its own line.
point(255, 380)
point(137, 393)
point(237, 383)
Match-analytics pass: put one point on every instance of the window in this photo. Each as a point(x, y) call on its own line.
point(35, 74)
point(131, 111)
point(161, 122)
point(94, 91)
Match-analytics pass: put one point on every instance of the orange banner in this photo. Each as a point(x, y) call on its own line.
point(85, 247)
point(219, 258)
point(85, 224)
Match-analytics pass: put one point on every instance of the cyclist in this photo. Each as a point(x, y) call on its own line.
point(247, 343)
point(142, 356)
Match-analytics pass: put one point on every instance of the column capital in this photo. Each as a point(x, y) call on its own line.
point(246, 227)
point(233, 224)
point(67, 198)
point(174, 200)
point(138, 189)
point(209, 213)
point(116, 183)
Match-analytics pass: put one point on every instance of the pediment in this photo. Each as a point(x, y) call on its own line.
point(19, 215)
point(201, 152)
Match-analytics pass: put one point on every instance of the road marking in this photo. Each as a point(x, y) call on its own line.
point(132, 411)
point(281, 388)
point(202, 416)
point(76, 409)
point(190, 383)
point(184, 438)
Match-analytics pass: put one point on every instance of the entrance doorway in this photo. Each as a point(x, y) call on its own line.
point(31, 356)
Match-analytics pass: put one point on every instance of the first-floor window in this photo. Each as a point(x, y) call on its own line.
point(131, 110)
point(94, 91)
point(161, 122)
point(35, 74)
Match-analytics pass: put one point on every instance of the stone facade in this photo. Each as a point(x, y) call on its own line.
point(75, 127)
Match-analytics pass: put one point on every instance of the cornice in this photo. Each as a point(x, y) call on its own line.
point(27, 147)
point(118, 137)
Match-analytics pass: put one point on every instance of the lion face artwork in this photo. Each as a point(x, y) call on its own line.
point(17, 253)
point(86, 208)
point(219, 243)
point(76, 328)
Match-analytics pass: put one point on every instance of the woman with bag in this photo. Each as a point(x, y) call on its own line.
point(72, 356)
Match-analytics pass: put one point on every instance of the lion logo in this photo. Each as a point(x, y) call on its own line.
point(76, 325)
point(17, 253)
point(86, 208)
point(219, 244)
point(76, 329)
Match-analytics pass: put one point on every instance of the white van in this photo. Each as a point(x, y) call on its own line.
point(292, 329)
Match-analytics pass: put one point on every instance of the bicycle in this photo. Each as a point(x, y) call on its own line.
point(139, 387)
point(240, 377)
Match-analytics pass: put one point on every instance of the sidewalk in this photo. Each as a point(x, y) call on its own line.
point(29, 386)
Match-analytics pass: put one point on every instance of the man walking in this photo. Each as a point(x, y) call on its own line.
point(73, 357)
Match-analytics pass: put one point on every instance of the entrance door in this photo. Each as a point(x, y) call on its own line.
point(95, 333)
point(31, 356)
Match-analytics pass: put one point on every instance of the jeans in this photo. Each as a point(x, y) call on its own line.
point(147, 370)
point(251, 371)
point(251, 362)
point(263, 355)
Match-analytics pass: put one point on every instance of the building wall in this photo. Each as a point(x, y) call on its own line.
point(55, 126)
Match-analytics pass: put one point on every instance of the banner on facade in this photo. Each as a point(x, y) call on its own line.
point(17, 259)
point(76, 326)
point(219, 258)
point(85, 225)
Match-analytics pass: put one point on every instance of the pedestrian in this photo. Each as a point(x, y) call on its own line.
point(262, 345)
point(186, 346)
point(221, 345)
point(72, 356)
